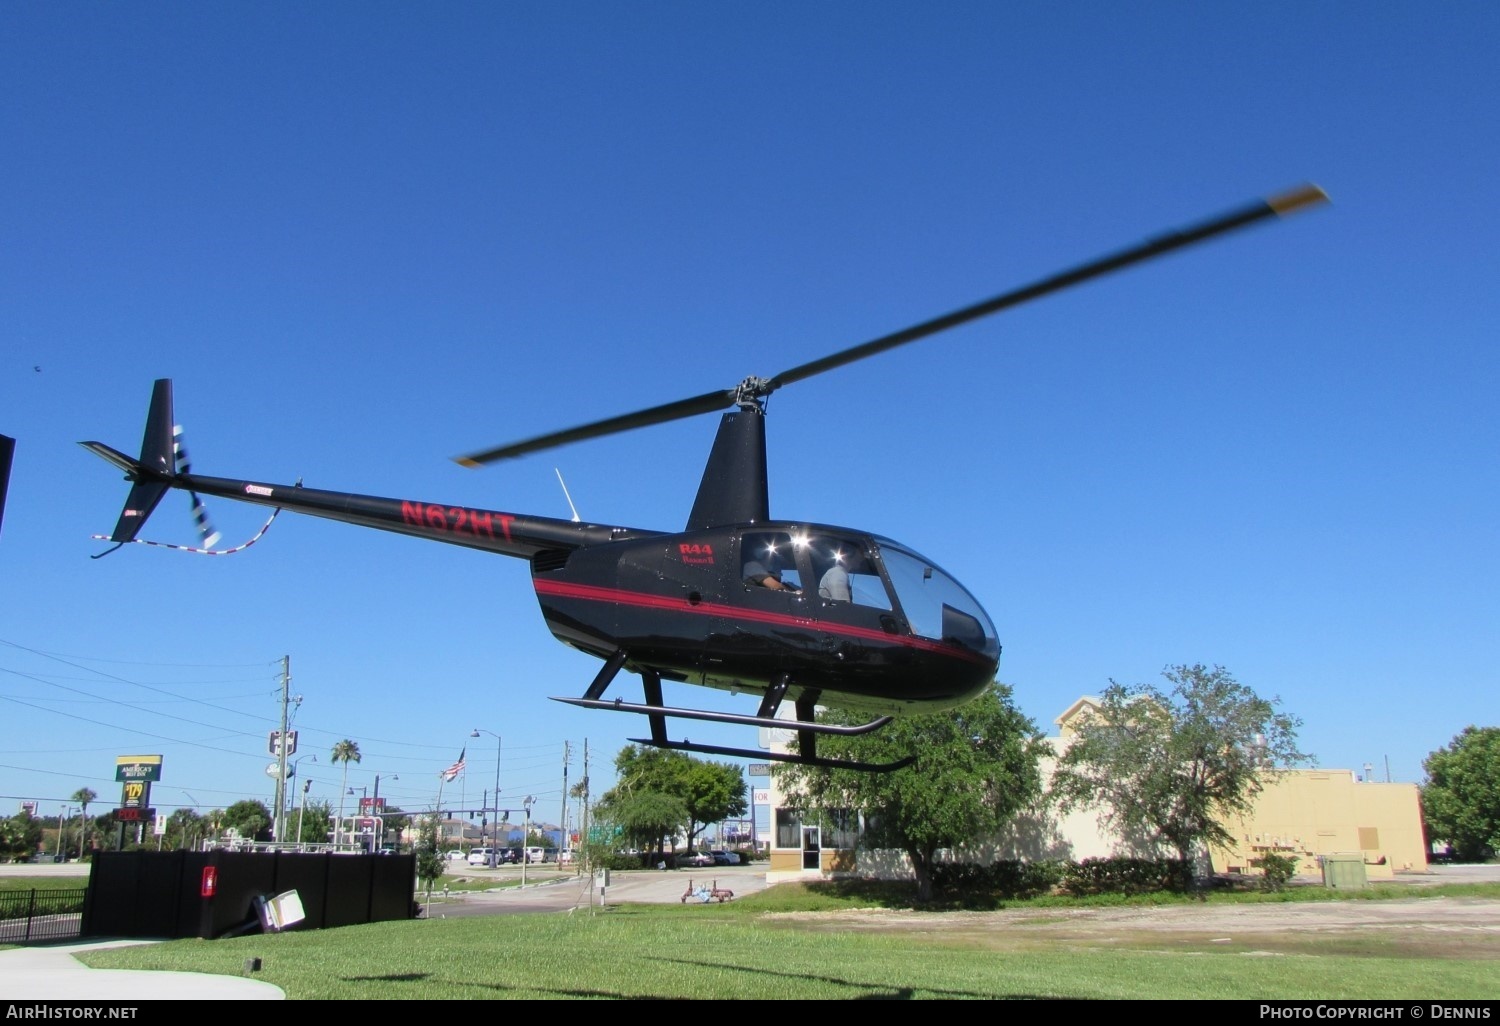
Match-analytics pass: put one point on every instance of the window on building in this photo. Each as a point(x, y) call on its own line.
point(841, 828)
point(788, 829)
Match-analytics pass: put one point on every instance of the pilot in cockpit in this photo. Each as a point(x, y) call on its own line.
point(767, 574)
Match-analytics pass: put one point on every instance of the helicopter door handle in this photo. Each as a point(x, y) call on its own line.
point(888, 624)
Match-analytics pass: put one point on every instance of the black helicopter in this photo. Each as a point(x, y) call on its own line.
point(810, 614)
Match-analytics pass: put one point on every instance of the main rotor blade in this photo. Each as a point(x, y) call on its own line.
point(1280, 205)
point(706, 403)
point(710, 402)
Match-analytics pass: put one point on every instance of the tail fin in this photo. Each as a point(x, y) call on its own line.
point(152, 473)
point(7, 453)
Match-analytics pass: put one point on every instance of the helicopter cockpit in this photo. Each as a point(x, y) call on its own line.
point(935, 604)
point(828, 567)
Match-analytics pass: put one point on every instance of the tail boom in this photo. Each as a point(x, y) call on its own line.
point(159, 470)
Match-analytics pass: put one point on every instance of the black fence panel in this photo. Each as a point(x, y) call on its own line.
point(220, 893)
point(349, 889)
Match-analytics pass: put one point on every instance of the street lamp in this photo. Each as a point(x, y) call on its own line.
point(290, 770)
point(302, 810)
point(193, 835)
point(526, 839)
point(364, 792)
point(62, 831)
point(494, 819)
point(379, 811)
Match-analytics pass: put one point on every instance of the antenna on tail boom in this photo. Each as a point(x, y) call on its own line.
point(566, 495)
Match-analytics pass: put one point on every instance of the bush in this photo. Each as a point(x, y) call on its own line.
point(1276, 870)
point(1006, 879)
point(1121, 875)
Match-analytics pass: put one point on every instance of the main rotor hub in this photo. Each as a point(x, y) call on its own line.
point(750, 393)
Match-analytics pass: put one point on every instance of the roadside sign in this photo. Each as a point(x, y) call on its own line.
point(138, 767)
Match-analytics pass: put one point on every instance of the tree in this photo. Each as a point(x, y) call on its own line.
point(710, 792)
point(83, 796)
point(700, 792)
point(345, 751)
point(1461, 798)
point(20, 836)
point(646, 819)
point(250, 818)
point(1169, 768)
point(311, 824)
point(184, 828)
point(430, 863)
point(976, 768)
point(394, 823)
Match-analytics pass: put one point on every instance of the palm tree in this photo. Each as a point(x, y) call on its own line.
point(345, 751)
point(82, 796)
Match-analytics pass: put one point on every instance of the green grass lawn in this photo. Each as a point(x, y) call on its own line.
point(749, 949)
point(43, 883)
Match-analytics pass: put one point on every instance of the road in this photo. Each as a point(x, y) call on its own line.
point(557, 891)
point(549, 888)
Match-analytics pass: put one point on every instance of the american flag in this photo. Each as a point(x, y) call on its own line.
point(452, 772)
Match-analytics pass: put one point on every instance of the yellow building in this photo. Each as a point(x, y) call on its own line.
point(1310, 815)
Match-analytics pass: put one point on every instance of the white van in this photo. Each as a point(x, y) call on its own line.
point(480, 856)
point(535, 854)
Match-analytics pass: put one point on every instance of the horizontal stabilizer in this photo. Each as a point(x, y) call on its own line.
point(152, 474)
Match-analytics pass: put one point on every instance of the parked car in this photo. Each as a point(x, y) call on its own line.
point(480, 856)
point(695, 858)
point(455, 855)
point(724, 857)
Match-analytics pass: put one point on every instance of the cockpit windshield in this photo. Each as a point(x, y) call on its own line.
point(937, 606)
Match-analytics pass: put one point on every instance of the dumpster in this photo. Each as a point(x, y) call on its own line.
point(1344, 870)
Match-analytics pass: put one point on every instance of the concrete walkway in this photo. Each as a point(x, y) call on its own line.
point(51, 973)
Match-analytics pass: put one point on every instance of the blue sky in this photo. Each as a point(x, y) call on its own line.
point(366, 238)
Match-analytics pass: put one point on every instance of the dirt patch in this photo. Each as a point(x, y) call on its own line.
point(1419, 927)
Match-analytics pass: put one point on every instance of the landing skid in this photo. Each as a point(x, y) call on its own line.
point(769, 722)
point(800, 760)
point(805, 724)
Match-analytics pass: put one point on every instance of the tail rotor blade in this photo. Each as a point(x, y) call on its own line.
point(206, 532)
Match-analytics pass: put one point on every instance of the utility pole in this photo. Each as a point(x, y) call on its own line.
point(584, 817)
point(563, 844)
point(281, 747)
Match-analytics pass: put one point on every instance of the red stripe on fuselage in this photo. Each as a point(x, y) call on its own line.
point(617, 596)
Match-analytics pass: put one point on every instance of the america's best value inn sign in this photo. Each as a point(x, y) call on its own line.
point(138, 767)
